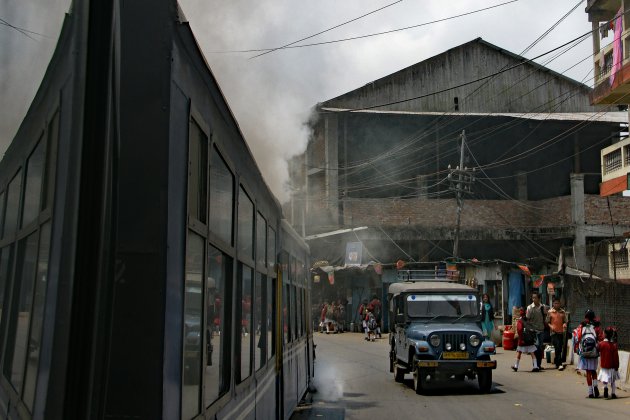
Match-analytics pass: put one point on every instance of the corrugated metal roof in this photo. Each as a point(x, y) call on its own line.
point(614, 117)
point(425, 286)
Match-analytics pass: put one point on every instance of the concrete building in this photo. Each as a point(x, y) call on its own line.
point(379, 157)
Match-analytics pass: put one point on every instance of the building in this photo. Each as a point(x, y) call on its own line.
point(379, 157)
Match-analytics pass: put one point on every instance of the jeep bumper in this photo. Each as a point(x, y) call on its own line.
point(457, 365)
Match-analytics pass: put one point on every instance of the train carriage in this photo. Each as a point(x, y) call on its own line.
point(145, 267)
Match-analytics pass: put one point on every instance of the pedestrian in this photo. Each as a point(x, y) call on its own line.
point(376, 308)
point(487, 316)
point(363, 313)
point(609, 364)
point(536, 314)
point(557, 320)
point(588, 338)
point(526, 340)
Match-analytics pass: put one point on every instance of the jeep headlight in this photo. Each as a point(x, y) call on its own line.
point(448, 346)
point(474, 340)
point(462, 346)
point(434, 340)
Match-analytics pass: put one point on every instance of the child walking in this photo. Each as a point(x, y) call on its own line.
point(609, 363)
point(589, 337)
point(526, 342)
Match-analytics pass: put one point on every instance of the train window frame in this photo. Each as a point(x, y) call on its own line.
point(34, 207)
point(239, 332)
point(261, 264)
point(18, 176)
point(217, 237)
point(259, 313)
point(2, 207)
point(198, 220)
point(246, 255)
point(50, 169)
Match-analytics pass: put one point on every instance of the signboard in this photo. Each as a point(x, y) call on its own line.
point(354, 253)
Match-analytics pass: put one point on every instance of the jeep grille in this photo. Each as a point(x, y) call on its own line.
point(454, 339)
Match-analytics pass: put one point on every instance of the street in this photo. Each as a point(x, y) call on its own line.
point(353, 382)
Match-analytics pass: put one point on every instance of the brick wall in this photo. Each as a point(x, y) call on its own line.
point(609, 300)
point(553, 212)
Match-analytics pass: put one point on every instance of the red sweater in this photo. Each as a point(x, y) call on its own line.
point(609, 355)
point(520, 325)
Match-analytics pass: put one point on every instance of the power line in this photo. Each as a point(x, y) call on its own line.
point(326, 30)
point(288, 46)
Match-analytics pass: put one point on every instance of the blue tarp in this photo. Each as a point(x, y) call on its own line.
point(516, 290)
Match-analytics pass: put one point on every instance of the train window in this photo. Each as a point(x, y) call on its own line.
point(21, 310)
point(261, 240)
point(33, 186)
point(13, 205)
point(298, 311)
point(245, 225)
point(48, 179)
point(286, 326)
point(1, 210)
point(38, 316)
point(217, 376)
point(293, 307)
point(193, 297)
point(246, 335)
point(260, 330)
point(271, 248)
point(6, 259)
point(221, 197)
point(271, 317)
point(198, 171)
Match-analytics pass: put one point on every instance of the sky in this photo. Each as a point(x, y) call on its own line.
point(272, 96)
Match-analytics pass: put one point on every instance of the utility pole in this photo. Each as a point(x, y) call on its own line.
point(460, 181)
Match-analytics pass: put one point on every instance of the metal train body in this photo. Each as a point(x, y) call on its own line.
point(145, 267)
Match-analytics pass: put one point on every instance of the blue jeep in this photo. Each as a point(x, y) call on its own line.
point(436, 334)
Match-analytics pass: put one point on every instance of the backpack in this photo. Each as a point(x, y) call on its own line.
point(588, 343)
point(377, 311)
point(371, 322)
point(529, 336)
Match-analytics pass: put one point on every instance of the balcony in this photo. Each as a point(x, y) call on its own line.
point(600, 13)
point(615, 161)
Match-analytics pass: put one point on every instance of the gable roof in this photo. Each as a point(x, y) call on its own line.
point(456, 77)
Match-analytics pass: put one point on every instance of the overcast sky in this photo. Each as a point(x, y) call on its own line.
point(271, 95)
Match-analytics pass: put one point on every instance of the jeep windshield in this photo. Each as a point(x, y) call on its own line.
point(442, 305)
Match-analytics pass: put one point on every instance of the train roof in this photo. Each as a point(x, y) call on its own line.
point(428, 286)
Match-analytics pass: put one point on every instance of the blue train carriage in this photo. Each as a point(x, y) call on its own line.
point(145, 270)
point(297, 332)
point(436, 334)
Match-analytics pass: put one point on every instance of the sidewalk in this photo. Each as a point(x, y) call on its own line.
point(508, 356)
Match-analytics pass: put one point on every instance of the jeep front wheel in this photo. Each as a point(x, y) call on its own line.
point(484, 377)
point(419, 380)
point(399, 373)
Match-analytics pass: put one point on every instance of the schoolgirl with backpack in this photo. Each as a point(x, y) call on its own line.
point(589, 336)
point(526, 341)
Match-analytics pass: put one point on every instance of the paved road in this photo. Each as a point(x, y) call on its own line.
point(353, 382)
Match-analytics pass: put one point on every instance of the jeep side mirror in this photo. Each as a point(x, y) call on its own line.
point(400, 318)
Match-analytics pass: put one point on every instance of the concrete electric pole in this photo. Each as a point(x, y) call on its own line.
point(460, 181)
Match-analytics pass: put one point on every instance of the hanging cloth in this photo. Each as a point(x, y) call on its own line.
point(617, 45)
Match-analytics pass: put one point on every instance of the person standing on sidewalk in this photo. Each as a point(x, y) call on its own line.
point(487, 316)
point(588, 340)
point(536, 313)
point(557, 320)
